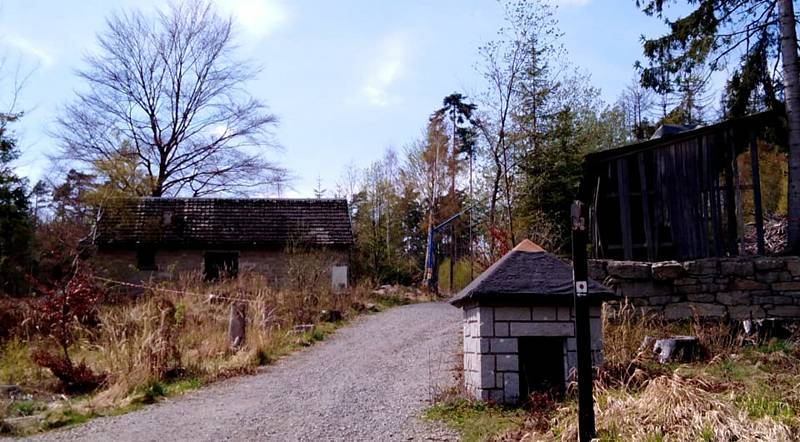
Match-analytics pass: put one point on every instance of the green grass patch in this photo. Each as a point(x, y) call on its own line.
point(476, 421)
point(27, 408)
point(65, 418)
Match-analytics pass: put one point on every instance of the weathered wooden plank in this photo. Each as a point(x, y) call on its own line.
point(759, 215)
point(624, 207)
point(648, 228)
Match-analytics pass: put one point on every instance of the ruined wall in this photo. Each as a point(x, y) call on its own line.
point(738, 288)
point(491, 351)
point(274, 264)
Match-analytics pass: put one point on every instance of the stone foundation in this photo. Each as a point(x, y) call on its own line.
point(736, 288)
point(491, 355)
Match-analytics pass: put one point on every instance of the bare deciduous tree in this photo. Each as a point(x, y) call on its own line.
point(170, 86)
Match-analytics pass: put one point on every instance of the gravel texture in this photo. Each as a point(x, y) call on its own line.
point(369, 381)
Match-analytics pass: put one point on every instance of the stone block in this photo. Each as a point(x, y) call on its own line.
point(667, 270)
point(501, 329)
point(686, 281)
point(747, 284)
point(784, 299)
point(544, 313)
point(689, 309)
point(767, 264)
point(701, 297)
point(542, 329)
point(785, 311)
point(596, 330)
point(572, 344)
point(786, 286)
point(736, 267)
point(572, 360)
point(702, 266)
point(472, 362)
point(638, 289)
point(483, 394)
point(512, 314)
point(767, 277)
point(564, 313)
point(629, 269)
point(734, 298)
point(597, 269)
point(487, 371)
point(793, 266)
point(701, 288)
point(486, 320)
point(511, 387)
point(746, 312)
point(504, 345)
point(663, 300)
point(507, 363)
point(595, 311)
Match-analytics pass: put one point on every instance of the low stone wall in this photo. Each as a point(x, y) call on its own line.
point(491, 351)
point(737, 288)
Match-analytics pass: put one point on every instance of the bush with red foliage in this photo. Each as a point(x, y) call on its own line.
point(58, 314)
point(75, 378)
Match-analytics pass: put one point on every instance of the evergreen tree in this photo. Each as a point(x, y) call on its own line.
point(16, 229)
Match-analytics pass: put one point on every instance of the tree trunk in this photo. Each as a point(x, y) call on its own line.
point(791, 78)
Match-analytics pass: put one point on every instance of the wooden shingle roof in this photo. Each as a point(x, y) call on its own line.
point(527, 274)
point(225, 222)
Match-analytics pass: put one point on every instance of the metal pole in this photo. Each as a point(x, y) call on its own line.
point(586, 430)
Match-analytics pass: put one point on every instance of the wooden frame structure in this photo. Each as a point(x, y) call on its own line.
point(676, 197)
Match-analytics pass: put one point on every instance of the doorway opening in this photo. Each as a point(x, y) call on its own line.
point(541, 366)
point(218, 265)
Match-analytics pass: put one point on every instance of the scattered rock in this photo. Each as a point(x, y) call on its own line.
point(330, 316)
point(676, 348)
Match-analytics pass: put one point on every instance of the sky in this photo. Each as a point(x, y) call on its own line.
point(347, 78)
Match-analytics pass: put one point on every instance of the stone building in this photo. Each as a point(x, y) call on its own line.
point(160, 237)
point(519, 334)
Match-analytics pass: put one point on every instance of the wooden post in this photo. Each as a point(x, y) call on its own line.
point(237, 323)
point(757, 209)
point(580, 270)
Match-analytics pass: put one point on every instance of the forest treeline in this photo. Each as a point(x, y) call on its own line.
point(504, 160)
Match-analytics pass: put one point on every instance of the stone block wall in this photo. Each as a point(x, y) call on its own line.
point(491, 352)
point(736, 288)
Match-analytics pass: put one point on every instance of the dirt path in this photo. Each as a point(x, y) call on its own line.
point(367, 382)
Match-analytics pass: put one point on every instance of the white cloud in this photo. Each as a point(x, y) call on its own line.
point(387, 67)
point(257, 17)
point(30, 48)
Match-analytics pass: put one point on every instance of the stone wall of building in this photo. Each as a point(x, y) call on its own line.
point(491, 352)
point(274, 264)
point(737, 288)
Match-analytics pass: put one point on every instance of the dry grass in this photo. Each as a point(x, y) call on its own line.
point(732, 392)
point(175, 337)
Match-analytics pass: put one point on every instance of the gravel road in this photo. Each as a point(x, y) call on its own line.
point(369, 381)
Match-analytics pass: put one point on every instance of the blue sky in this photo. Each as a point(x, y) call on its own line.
point(347, 78)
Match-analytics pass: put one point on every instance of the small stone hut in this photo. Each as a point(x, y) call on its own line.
point(519, 332)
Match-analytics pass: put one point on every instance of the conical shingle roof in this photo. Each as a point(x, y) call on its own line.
point(529, 274)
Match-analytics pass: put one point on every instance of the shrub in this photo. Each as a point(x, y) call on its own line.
point(74, 378)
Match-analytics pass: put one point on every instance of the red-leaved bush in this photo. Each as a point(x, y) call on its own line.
point(58, 314)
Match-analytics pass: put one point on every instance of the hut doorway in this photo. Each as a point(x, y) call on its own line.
point(541, 366)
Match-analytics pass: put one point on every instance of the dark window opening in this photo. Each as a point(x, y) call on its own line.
point(219, 265)
point(541, 366)
point(146, 258)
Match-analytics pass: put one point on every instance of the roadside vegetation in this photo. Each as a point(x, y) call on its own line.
point(118, 351)
point(738, 389)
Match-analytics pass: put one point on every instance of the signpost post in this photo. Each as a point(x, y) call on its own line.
point(586, 430)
